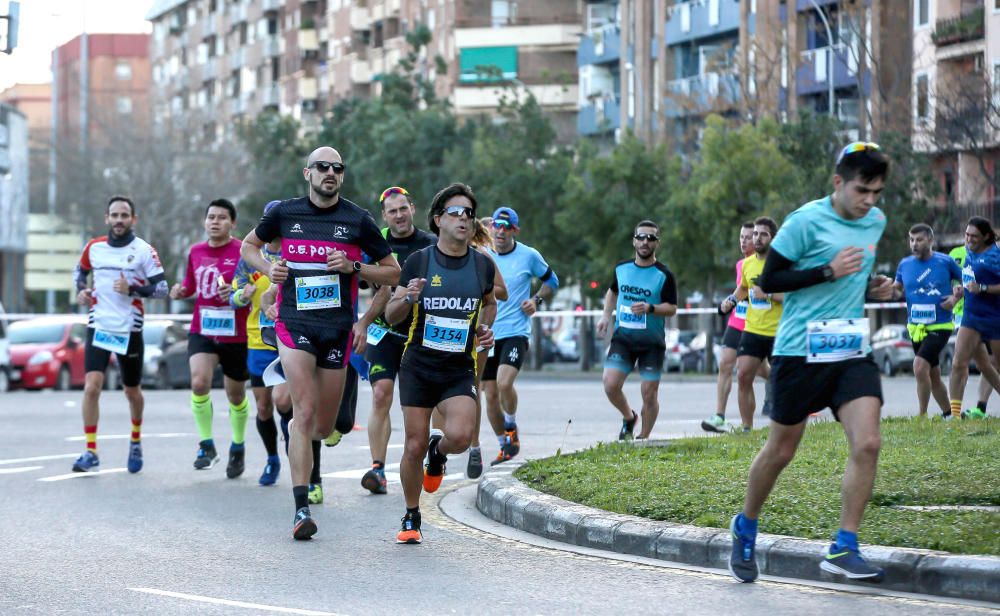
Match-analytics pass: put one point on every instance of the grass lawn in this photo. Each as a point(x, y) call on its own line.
point(701, 481)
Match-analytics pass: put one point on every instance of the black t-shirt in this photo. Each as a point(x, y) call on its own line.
point(402, 248)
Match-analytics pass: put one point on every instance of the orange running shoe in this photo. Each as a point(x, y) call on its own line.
point(434, 469)
point(410, 533)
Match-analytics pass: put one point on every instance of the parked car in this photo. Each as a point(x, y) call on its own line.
point(173, 371)
point(47, 352)
point(4, 356)
point(948, 357)
point(694, 359)
point(892, 349)
point(157, 336)
point(678, 344)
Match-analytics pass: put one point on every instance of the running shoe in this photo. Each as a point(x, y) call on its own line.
point(435, 467)
point(475, 467)
point(315, 493)
point(502, 456)
point(850, 564)
point(207, 456)
point(333, 440)
point(628, 428)
point(715, 423)
point(270, 475)
point(237, 462)
point(88, 462)
point(303, 526)
point(134, 457)
point(742, 562)
point(410, 533)
point(974, 413)
point(374, 480)
point(513, 440)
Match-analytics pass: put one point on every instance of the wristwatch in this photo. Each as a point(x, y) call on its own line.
point(828, 273)
point(538, 300)
point(407, 300)
point(357, 267)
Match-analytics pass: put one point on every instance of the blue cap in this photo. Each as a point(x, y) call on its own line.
point(270, 205)
point(505, 213)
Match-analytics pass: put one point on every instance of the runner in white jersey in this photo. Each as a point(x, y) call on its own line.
point(125, 270)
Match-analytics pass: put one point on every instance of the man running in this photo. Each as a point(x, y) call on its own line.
point(642, 293)
point(323, 236)
point(959, 254)
point(822, 259)
point(449, 296)
point(926, 279)
point(218, 335)
point(125, 270)
point(385, 342)
point(519, 264)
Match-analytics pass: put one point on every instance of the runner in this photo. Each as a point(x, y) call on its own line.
point(125, 270)
point(981, 319)
point(385, 342)
point(449, 296)
point(985, 389)
point(925, 279)
point(218, 335)
point(821, 259)
point(323, 236)
point(638, 335)
point(518, 264)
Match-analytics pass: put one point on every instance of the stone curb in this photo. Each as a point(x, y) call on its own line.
point(503, 498)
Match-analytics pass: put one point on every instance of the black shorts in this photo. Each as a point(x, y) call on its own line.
point(425, 390)
point(330, 346)
point(623, 356)
point(731, 338)
point(755, 345)
point(799, 389)
point(507, 351)
point(930, 347)
point(232, 355)
point(129, 365)
point(385, 357)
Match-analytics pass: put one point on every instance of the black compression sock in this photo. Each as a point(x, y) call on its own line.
point(269, 434)
point(378, 464)
point(301, 494)
point(982, 405)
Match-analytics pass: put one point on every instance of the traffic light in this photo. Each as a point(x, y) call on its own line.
point(13, 17)
point(593, 284)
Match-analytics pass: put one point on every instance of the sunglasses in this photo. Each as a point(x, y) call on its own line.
point(502, 223)
point(459, 210)
point(646, 237)
point(323, 166)
point(392, 190)
point(855, 147)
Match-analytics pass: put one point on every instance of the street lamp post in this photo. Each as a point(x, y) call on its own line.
point(829, 55)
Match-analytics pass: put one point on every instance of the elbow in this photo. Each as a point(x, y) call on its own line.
point(767, 284)
point(670, 311)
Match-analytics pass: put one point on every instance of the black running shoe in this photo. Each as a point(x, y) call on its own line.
point(628, 428)
point(207, 456)
point(236, 464)
point(303, 526)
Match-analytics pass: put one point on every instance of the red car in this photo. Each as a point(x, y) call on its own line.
point(47, 352)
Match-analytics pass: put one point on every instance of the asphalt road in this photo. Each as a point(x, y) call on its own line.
point(171, 540)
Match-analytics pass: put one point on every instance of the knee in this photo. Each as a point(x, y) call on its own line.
point(133, 394)
point(745, 375)
point(200, 385)
point(506, 389)
point(92, 389)
point(382, 398)
point(415, 448)
point(868, 447)
point(780, 454)
point(611, 387)
point(921, 369)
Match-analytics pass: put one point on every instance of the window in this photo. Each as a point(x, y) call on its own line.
point(923, 97)
point(123, 71)
point(502, 12)
point(922, 12)
point(487, 64)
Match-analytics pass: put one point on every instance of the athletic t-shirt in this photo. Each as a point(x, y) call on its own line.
point(984, 267)
point(926, 284)
point(958, 254)
point(402, 248)
point(137, 261)
point(519, 267)
point(763, 315)
point(652, 284)
point(246, 274)
point(811, 237)
point(312, 296)
point(212, 313)
point(738, 315)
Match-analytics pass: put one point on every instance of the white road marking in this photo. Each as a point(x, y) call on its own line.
point(106, 471)
point(62, 456)
point(19, 469)
point(119, 437)
point(243, 604)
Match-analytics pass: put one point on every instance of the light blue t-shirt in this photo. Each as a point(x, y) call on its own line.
point(650, 284)
point(926, 283)
point(518, 267)
point(811, 236)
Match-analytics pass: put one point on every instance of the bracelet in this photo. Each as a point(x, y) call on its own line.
point(651, 309)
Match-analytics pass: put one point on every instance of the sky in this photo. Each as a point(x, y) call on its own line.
point(46, 24)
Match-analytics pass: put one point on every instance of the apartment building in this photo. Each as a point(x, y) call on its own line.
point(34, 100)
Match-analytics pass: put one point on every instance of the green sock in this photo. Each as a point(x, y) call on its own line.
point(238, 420)
point(201, 406)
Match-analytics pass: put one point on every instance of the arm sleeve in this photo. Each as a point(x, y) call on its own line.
point(779, 277)
point(371, 240)
point(269, 226)
point(241, 277)
point(155, 287)
point(541, 270)
point(668, 293)
point(613, 287)
point(491, 273)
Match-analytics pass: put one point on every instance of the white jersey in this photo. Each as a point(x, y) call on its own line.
point(137, 261)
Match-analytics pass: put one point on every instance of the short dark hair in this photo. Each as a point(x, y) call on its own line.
point(131, 205)
point(747, 224)
point(225, 204)
point(437, 204)
point(646, 223)
point(870, 164)
point(922, 227)
point(768, 222)
point(984, 227)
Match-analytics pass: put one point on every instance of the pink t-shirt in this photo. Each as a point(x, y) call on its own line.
point(738, 317)
point(211, 312)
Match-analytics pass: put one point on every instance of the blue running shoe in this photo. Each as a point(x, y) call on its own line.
point(134, 457)
point(742, 562)
point(88, 462)
point(850, 564)
point(270, 475)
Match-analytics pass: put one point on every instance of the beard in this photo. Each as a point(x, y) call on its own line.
point(324, 192)
point(644, 253)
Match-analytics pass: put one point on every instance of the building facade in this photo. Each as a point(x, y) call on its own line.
point(14, 179)
point(34, 100)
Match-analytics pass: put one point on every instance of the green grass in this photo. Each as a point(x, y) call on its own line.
point(701, 481)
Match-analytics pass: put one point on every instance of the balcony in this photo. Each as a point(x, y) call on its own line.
point(308, 89)
point(542, 35)
point(811, 76)
point(210, 70)
point(209, 26)
point(601, 46)
point(274, 46)
point(308, 40)
point(603, 115)
point(361, 71)
point(237, 58)
point(360, 18)
point(950, 222)
point(237, 13)
point(271, 96)
point(701, 94)
point(270, 5)
point(695, 19)
point(969, 26)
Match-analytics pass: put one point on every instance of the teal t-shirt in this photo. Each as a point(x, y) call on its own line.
point(811, 236)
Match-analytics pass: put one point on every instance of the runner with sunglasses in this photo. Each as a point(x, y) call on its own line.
point(822, 260)
point(643, 292)
point(323, 236)
point(449, 297)
point(519, 265)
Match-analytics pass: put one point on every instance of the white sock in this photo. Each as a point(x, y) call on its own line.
point(509, 419)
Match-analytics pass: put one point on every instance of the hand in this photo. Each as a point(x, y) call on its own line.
point(85, 297)
point(272, 312)
point(847, 262)
point(758, 293)
point(120, 285)
point(949, 302)
point(974, 287)
point(602, 327)
point(484, 336)
point(640, 308)
point(224, 288)
point(178, 291)
point(267, 300)
point(279, 272)
point(337, 261)
point(727, 306)
point(881, 288)
point(414, 288)
point(528, 307)
point(360, 332)
point(246, 293)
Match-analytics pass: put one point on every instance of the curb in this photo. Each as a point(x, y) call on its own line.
point(503, 498)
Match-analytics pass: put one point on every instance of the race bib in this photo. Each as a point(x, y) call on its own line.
point(760, 304)
point(627, 320)
point(375, 334)
point(741, 310)
point(116, 342)
point(263, 321)
point(316, 292)
point(958, 320)
point(218, 322)
point(923, 314)
point(442, 334)
point(836, 340)
point(967, 276)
